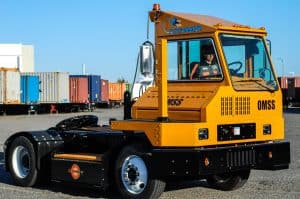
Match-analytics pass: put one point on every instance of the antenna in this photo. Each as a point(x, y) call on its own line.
point(83, 69)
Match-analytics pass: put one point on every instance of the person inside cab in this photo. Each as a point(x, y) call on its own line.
point(207, 68)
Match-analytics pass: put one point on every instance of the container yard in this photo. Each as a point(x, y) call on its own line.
point(23, 91)
point(212, 109)
point(56, 92)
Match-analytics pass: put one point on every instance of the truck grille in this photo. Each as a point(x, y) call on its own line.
point(242, 105)
point(226, 106)
point(241, 158)
point(235, 106)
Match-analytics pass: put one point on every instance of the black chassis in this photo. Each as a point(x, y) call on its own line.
point(201, 162)
point(163, 162)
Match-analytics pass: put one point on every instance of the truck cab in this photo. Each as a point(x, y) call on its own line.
point(210, 108)
point(235, 97)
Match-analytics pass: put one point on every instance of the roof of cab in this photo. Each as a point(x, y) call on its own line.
point(215, 22)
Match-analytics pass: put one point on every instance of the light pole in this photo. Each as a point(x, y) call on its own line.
point(282, 65)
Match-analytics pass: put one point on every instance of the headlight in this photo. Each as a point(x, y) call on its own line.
point(267, 130)
point(203, 134)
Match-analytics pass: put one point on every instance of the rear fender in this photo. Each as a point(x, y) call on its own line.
point(44, 142)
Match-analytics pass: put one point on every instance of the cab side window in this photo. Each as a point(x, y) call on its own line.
point(193, 60)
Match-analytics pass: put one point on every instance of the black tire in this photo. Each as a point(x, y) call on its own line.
point(229, 181)
point(22, 162)
point(149, 188)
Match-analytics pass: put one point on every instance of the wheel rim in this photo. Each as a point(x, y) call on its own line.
point(21, 161)
point(134, 174)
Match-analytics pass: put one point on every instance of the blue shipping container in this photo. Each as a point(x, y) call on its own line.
point(29, 89)
point(94, 87)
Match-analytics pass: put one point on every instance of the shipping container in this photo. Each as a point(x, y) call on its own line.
point(104, 91)
point(54, 86)
point(94, 87)
point(116, 92)
point(297, 82)
point(283, 82)
point(9, 87)
point(79, 89)
point(290, 87)
point(29, 89)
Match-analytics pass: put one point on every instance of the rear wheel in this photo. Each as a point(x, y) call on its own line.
point(132, 175)
point(22, 162)
point(229, 181)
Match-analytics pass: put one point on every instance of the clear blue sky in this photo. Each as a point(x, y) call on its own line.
point(105, 35)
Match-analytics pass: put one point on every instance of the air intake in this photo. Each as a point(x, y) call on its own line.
point(226, 106)
point(235, 106)
point(242, 105)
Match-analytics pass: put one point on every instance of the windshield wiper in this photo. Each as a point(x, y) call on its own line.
point(258, 81)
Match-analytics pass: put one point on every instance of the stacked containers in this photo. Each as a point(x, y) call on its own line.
point(9, 87)
point(116, 92)
point(104, 91)
point(79, 89)
point(54, 86)
point(29, 89)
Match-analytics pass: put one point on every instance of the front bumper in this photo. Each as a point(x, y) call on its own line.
point(177, 162)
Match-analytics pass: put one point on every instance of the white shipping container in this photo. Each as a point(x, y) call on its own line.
point(54, 87)
point(9, 87)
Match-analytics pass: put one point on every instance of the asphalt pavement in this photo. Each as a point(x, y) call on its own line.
point(261, 184)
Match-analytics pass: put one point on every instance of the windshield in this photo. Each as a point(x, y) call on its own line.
point(194, 60)
point(248, 63)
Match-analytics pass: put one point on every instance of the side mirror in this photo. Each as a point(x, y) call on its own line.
point(146, 59)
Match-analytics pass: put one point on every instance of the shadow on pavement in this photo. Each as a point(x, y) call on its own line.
point(79, 191)
point(69, 189)
point(4, 176)
point(85, 191)
point(176, 185)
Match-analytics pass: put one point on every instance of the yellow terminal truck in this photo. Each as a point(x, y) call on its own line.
point(210, 108)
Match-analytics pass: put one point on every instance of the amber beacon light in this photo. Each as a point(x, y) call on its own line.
point(156, 7)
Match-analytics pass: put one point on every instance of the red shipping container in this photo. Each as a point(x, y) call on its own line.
point(297, 82)
point(283, 81)
point(79, 90)
point(116, 91)
point(104, 91)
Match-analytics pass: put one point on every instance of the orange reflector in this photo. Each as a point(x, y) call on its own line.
point(156, 7)
point(270, 155)
point(206, 161)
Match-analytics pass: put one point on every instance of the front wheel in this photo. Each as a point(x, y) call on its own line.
point(229, 181)
point(132, 175)
point(22, 162)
